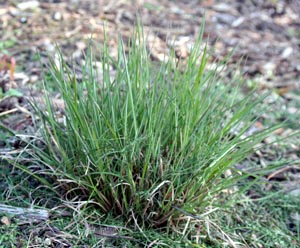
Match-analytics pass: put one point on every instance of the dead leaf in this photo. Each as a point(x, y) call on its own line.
point(5, 221)
point(8, 64)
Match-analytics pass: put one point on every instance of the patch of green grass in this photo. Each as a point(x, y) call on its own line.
point(10, 93)
point(6, 44)
point(268, 221)
point(8, 236)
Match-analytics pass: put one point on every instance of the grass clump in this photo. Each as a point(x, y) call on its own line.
point(150, 143)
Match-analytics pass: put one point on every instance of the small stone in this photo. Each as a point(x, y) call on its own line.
point(81, 45)
point(47, 242)
point(292, 110)
point(225, 18)
point(33, 79)
point(14, 12)
point(238, 22)
point(23, 19)
point(268, 68)
point(270, 139)
point(3, 11)
point(177, 10)
point(295, 193)
point(222, 7)
point(57, 16)
point(22, 77)
point(28, 5)
point(287, 52)
point(49, 47)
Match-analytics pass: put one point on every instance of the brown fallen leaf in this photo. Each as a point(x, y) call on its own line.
point(283, 90)
point(5, 221)
point(8, 63)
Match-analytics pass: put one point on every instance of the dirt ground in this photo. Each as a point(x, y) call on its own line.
point(265, 33)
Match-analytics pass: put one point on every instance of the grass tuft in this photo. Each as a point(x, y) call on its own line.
point(149, 143)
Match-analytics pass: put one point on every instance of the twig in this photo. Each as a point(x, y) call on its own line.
point(28, 213)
